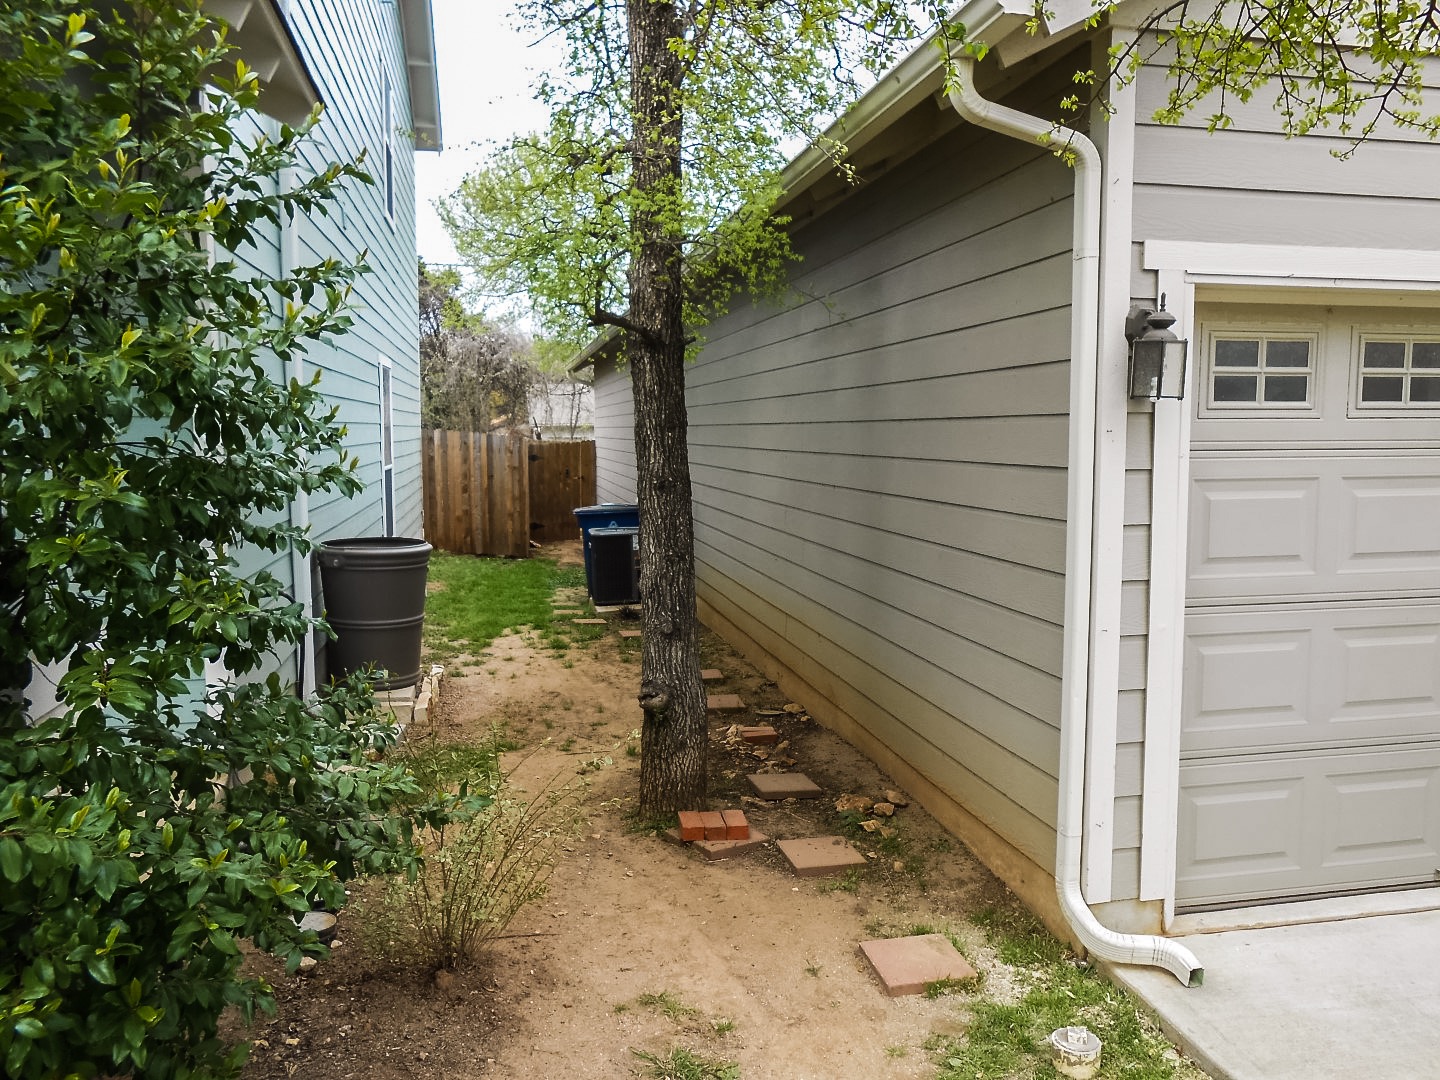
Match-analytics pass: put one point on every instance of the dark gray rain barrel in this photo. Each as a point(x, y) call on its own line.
point(375, 602)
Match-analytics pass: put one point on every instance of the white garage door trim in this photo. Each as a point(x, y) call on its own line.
point(1402, 277)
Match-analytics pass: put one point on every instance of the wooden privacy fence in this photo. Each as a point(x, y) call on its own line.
point(493, 494)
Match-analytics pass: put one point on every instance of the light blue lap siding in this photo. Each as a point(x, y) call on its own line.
point(349, 47)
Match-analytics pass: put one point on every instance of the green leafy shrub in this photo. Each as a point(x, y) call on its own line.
point(150, 824)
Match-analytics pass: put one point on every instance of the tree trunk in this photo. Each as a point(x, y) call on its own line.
point(673, 735)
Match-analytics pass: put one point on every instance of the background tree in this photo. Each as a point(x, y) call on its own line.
point(152, 822)
point(474, 375)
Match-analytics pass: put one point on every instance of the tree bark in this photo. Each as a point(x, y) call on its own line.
point(673, 733)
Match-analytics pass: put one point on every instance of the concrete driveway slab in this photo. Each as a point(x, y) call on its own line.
point(1336, 999)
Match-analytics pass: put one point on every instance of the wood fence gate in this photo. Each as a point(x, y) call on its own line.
point(493, 494)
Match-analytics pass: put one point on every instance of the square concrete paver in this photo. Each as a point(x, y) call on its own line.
point(629, 633)
point(817, 856)
point(588, 622)
point(724, 703)
point(906, 965)
point(711, 674)
point(777, 785)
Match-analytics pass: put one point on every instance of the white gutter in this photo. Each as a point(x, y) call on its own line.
point(1107, 944)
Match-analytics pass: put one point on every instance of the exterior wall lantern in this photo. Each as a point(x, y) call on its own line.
point(1157, 356)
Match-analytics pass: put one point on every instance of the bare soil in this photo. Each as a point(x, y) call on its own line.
point(767, 962)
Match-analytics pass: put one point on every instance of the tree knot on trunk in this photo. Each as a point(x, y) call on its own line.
point(653, 700)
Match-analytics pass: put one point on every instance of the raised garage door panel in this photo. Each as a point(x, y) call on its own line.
point(1310, 732)
point(1305, 675)
point(1302, 525)
point(1304, 824)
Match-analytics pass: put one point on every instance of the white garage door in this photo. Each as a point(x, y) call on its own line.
point(1310, 761)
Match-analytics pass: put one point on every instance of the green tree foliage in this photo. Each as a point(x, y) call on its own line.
point(1347, 66)
point(146, 827)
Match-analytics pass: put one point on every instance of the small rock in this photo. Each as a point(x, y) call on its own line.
point(871, 825)
point(897, 798)
point(851, 802)
point(794, 709)
point(307, 967)
point(884, 809)
point(899, 866)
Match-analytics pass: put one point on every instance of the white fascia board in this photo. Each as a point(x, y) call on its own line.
point(262, 37)
point(417, 27)
point(1296, 265)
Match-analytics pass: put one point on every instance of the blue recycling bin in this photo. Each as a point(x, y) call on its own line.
point(603, 516)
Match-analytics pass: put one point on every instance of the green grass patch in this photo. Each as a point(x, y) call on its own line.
point(440, 766)
point(894, 847)
point(478, 599)
point(667, 1003)
point(848, 882)
point(1006, 1040)
point(682, 1064)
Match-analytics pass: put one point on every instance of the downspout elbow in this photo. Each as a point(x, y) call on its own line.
point(1107, 944)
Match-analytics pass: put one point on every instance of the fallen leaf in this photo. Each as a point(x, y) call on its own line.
point(794, 709)
point(851, 802)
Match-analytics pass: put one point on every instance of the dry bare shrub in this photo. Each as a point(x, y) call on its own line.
point(482, 868)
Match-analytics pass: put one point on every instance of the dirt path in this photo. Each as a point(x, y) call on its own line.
point(762, 967)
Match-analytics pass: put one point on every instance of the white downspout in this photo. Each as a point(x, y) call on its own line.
point(1144, 949)
point(300, 572)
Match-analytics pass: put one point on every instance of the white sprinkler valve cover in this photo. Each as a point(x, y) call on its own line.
point(1075, 1051)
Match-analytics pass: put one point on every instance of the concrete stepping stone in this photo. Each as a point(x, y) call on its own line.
point(819, 856)
point(777, 786)
point(711, 674)
point(588, 622)
point(629, 633)
point(558, 612)
point(906, 965)
point(724, 703)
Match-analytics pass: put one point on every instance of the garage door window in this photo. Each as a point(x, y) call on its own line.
point(1261, 372)
point(1399, 372)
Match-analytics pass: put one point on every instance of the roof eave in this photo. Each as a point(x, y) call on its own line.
point(999, 24)
point(263, 40)
point(417, 27)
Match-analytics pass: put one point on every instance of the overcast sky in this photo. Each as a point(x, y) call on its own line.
point(486, 66)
